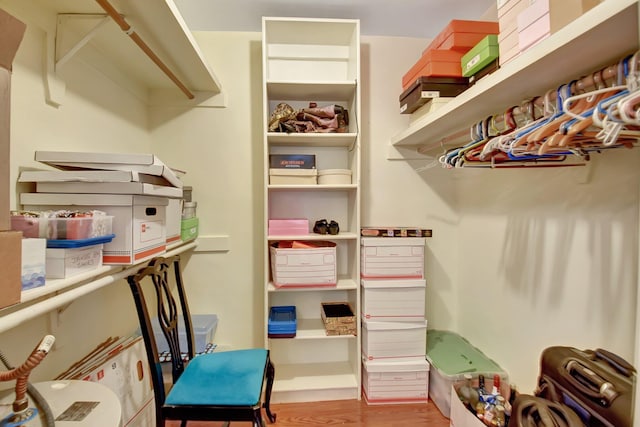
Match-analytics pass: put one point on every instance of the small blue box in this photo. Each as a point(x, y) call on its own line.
point(282, 322)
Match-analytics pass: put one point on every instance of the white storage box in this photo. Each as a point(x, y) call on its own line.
point(67, 262)
point(293, 176)
point(204, 329)
point(301, 267)
point(393, 300)
point(173, 221)
point(395, 382)
point(334, 176)
point(138, 221)
point(33, 263)
point(392, 257)
point(394, 341)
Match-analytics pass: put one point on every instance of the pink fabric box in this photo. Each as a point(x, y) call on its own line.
point(288, 227)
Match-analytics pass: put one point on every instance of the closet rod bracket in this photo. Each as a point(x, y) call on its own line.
point(72, 33)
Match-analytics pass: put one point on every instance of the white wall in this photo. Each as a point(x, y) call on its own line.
point(96, 115)
point(549, 257)
point(221, 149)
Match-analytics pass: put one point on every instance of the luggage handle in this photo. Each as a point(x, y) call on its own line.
point(590, 383)
point(617, 362)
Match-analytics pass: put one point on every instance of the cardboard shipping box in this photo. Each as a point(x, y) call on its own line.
point(11, 256)
point(11, 32)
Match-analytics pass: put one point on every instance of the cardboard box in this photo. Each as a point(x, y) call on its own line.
point(393, 300)
point(291, 227)
point(394, 341)
point(395, 382)
point(429, 107)
point(425, 89)
point(100, 181)
point(126, 373)
point(334, 177)
point(11, 33)
point(67, 262)
point(293, 176)
point(173, 216)
point(292, 161)
point(480, 56)
point(384, 257)
point(33, 263)
point(11, 255)
point(443, 63)
point(304, 266)
point(137, 162)
point(545, 17)
point(138, 221)
point(462, 35)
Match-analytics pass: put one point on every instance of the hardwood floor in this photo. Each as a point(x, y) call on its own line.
point(347, 413)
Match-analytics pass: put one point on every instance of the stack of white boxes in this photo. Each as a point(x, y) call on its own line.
point(394, 328)
point(143, 195)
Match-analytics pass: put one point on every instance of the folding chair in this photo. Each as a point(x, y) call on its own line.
point(220, 386)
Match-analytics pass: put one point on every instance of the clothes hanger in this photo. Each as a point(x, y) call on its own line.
point(552, 125)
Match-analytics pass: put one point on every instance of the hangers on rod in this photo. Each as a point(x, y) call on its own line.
point(595, 112)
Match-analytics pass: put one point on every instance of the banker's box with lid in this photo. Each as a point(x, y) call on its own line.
point(393, 300)
point(392, 257)
point(303, 265)
point(395, 382)
point(451, 356)
point(138, 221)
point(394, 341)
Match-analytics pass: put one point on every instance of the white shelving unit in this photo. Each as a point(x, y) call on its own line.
point(81, 28)
point(314, 60)
point(598, 38)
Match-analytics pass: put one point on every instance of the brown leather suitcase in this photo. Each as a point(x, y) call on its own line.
point(596, 384)
point(532, 411)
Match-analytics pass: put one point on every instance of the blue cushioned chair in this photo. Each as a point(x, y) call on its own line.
point(220, 386)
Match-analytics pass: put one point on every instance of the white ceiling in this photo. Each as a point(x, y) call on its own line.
point(401, 18)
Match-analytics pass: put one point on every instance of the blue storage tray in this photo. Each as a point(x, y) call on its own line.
point(80, 243)
point(282, 321)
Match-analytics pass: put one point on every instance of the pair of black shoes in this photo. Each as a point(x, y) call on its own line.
point(324, 227)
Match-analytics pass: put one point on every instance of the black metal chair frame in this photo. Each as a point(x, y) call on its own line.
point(158, 270)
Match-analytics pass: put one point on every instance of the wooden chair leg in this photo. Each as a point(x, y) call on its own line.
point(267, 400)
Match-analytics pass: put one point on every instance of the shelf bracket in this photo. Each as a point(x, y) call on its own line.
point(406, 153)
point(68, 42)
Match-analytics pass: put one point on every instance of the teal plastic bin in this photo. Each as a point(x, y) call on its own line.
point(451, 356)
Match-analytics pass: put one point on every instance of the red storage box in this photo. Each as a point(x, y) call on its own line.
point(445, 63)
point(462, 35)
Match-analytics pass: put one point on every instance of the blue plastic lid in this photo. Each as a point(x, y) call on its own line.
point(80, 243)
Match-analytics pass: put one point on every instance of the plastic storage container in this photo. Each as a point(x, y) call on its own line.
point(282, 322)
point(204, 329)
point(451, 356)
point(77, 228)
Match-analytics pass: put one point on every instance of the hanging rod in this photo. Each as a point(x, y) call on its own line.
point(128, 30)
point(607, 74)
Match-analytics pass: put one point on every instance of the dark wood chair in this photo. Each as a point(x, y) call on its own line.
point(219, 386)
